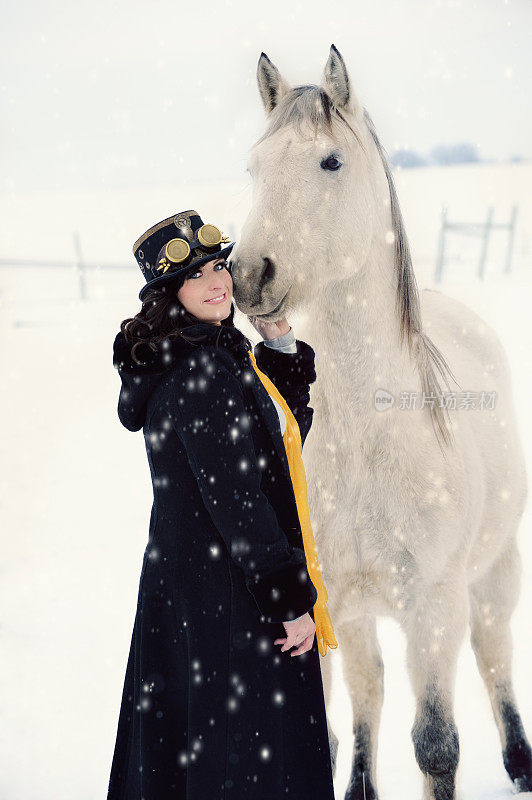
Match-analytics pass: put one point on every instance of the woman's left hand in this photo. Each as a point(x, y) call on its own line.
point(299, 633)
point(270, 330)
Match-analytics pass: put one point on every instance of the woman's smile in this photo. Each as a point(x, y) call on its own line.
point(219, 299)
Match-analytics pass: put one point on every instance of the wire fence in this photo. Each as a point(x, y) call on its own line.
point(460, 246)
point(482, 231)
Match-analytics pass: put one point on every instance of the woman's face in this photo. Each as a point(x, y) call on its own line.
point(209, 281)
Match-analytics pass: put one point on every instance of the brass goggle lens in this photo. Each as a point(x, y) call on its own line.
point(177, 250)
point(209, 235)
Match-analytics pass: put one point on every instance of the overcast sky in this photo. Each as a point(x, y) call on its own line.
point(120, 93)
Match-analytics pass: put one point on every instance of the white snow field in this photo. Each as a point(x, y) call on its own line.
point(76, 493)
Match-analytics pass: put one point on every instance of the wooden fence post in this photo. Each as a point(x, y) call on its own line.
point(80, 266)
point(511, 235)
point(484, 248)
point(441, 246)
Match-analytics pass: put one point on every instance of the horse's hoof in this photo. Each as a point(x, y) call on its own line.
point(517, 759)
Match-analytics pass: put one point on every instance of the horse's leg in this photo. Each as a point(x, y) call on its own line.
point(363, 674)
point(435, 628)
point(493, 599)
point(326, 674)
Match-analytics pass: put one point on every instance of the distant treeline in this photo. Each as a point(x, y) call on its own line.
point(442, 154)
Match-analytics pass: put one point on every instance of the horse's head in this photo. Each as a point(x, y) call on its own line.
point(318, 192)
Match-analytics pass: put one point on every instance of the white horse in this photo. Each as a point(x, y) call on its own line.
point(415, 508)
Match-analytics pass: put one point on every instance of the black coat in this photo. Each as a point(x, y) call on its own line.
point(211, 708)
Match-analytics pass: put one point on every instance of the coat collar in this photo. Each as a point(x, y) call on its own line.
point(167, 354)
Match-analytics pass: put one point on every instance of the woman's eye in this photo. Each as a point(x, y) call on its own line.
point(222, 264)
point(331, 163)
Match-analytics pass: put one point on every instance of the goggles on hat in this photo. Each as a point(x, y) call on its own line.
point(178, 250)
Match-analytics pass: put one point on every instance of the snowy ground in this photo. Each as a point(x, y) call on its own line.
point(76, 498)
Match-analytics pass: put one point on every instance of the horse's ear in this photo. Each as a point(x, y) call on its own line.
point(337, 84)
point(272, 85)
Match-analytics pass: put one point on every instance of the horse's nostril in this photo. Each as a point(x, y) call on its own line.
point(268, 272)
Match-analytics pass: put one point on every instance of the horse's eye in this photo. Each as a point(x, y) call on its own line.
point(331, 163)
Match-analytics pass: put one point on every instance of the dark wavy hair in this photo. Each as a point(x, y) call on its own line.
point(163, 316)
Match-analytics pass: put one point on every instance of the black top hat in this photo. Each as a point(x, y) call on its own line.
point(176, 245)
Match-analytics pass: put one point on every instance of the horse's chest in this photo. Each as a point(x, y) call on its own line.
point(370, 572)
point(379, 586)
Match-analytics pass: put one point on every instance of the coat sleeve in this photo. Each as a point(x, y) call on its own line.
point(137, 383)
point(210, 419)
point(292, 374)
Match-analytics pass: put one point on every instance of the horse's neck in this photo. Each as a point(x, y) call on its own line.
point(354, 327)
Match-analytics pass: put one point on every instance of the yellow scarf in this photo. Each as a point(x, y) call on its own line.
point(292, 443)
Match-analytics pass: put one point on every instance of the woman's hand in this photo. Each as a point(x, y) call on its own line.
point(300, 632)
point(270, 330)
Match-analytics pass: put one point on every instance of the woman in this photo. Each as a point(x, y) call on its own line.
point(215, 705)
